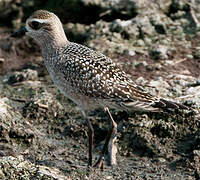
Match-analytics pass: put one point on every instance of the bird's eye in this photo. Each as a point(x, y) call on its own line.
point(34, 25)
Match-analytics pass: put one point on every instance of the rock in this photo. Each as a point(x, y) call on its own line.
point(192, 96)
point(196, 53)
point(183, 80)
point(13, 125)
point(197, 153)
point(140, 42)
point(77, 32)
point(141, 81)
point(6, 112)
point(30, 84)
point(179, 14)
point(128, 29)
point(159, 83)
point(159, 52)
point(145, 26)
point(169, 62)
point(193, 90)
point(177, 89)
point(165, 5)
point(129, 52)
point(147, 41)
point(187, 88)
point(159, 21)
point(27, 74)
point(136, 64)
point(194, 83)
point(2, 60)
point(18, 167)
point(42, 105)
point(189, 56)
point(160, 87)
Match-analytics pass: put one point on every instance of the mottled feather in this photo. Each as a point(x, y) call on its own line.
point(41, 14)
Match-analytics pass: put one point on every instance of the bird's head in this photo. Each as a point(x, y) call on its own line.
point(44, 27)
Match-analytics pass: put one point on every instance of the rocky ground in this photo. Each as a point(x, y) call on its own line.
point(42, 133)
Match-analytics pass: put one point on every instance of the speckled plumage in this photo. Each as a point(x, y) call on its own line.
point(81, 73)
point(41, 14)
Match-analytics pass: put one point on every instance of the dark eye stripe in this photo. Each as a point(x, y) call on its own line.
point(35, 25)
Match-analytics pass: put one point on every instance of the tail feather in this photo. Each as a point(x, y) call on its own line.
point(165, 104)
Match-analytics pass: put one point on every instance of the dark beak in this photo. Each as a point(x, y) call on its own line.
point(21, 32)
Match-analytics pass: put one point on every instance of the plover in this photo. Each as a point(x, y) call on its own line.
point(88, 77)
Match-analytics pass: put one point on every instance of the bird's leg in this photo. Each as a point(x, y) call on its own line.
point(90, 138)
point(112, 148)
point(111, 137)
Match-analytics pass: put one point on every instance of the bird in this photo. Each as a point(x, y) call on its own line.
point(87, 77)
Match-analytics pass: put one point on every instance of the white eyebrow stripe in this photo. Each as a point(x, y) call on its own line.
point(35, 19)
point(39, 20)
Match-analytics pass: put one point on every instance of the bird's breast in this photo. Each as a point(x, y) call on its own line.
point(67, 84)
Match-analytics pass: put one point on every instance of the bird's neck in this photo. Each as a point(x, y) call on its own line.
point(51, 43)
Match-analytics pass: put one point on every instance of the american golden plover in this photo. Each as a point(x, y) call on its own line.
point(87, 77)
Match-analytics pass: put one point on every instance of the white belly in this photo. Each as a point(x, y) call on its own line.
point(83, 101)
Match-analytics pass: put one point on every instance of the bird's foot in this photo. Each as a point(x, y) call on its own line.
point(100, 163)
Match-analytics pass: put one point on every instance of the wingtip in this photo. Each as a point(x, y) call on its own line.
point(165, 104)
